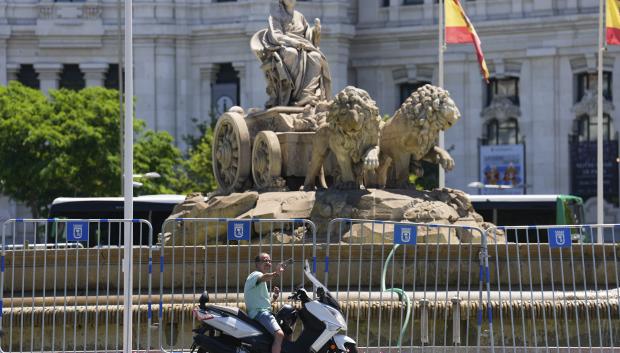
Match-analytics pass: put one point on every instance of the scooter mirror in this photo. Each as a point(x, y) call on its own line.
point(204, 299)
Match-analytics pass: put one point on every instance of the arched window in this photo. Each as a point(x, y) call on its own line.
point(502, 132)
point(586, 127)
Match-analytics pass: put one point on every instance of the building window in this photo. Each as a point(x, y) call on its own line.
point(225, 90)
point(586, 126)
point(502, 132)
point(385, 3)
point(72, 77)
point(27, 76)
point(69, 0)
point(111, 77)
point(413, 2)
point(588, 81)
point(407, 88)
point(503, 87)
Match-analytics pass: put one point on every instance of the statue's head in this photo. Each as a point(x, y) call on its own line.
point(289, 4)
point(430, 107)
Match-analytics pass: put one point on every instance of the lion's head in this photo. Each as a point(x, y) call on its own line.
point(354, 118)
point(429, 108)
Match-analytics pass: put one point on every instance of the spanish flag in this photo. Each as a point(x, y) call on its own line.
point(460, 30)
point(613, 22)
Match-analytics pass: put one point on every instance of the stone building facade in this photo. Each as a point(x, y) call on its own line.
point(192, 58)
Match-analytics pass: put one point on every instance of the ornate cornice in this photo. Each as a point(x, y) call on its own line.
point(501, 108)
point(588, 105)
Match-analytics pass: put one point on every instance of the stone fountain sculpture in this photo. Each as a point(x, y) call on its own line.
point(267, 161)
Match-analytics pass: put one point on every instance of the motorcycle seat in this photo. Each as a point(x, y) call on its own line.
point(242, 316)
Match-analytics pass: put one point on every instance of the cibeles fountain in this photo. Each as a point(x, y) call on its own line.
point(312, 155)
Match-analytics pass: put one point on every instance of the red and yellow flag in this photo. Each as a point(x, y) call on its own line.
point(613, 22)
point(460, 30)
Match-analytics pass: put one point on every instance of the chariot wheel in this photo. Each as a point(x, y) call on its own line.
point(266, 159)
point(231, 152)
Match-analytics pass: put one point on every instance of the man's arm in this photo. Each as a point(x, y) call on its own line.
point(267, 277)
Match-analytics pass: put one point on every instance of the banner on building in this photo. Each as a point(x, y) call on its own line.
point(583, 169)
point(502, 169)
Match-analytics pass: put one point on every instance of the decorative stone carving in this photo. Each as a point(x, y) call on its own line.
point(295, 68)
point(268, 150)
point(412, 132)
point(501, 108)
point(70, 11)
point(440, 206)
point(588, 104)
point(351, 132)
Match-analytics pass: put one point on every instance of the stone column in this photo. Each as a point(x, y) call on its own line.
point(244, 83)
point(11, 72)
point(207, 77)
point(165, 85)
point(144, 80)
point(543, 6)
point(464, 83)
point(429, 9)
point(394, 7)
point(257, 84)
point(94, 73)
point(3, 74)
point(183, 96)
point(539, 120)
point(517, 8)
point(48, 76)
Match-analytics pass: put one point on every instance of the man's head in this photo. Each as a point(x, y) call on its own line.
point(263, 262)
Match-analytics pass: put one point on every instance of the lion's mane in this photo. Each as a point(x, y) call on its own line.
point(339, 116)
point(428, 110)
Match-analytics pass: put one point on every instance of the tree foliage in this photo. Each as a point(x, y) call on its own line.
point(197, 166)
point(69, 145)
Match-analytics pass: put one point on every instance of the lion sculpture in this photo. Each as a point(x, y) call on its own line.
point(350, 129)
point(413, 132)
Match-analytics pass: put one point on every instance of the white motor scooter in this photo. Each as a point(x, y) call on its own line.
point(230, 330)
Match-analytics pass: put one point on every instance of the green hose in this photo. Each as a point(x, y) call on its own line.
point(401, 294)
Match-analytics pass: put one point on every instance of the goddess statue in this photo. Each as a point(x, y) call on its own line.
point(296, 70)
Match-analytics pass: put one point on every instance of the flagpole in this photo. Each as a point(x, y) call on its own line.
point(440, 78)
point(128, 180)
point(599, 126)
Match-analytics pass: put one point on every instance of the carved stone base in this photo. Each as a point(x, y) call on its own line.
point(440, 206)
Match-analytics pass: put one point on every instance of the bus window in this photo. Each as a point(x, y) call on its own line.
point(529, 210)
point(153, 208)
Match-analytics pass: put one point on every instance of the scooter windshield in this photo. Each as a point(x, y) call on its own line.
point(315, 282)
point(328, 298)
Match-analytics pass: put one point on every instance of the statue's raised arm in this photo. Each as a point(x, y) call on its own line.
point(296, 70)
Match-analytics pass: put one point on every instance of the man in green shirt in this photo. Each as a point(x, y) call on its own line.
point(257, 298)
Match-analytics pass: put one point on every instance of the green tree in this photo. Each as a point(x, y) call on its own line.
point(197, 171)
point(69, 145)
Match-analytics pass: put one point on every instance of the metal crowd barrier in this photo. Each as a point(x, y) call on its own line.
point(62, 288)
point(553, 287)
point(216, 255)
point(408, 285)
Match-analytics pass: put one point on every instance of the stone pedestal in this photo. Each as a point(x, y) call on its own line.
point(11, 72)
point(94, 73)
point(48, 76)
